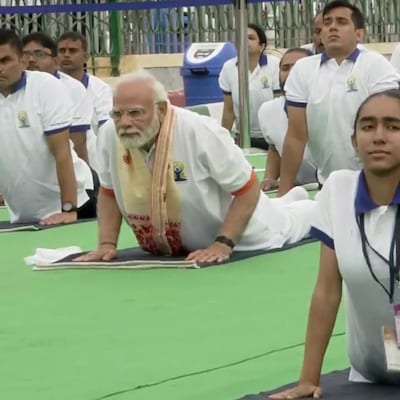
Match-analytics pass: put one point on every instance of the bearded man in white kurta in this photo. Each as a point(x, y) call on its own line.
point(181, 183)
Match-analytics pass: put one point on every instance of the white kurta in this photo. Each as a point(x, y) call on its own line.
point(213, 168)
point(101, 97)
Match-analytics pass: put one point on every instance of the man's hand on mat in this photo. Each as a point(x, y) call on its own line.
point(60, 218)
point(216, 253)
point(268, 184)
point(303, 390)
point(105, 252)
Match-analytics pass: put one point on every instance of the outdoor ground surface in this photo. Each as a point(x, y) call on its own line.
point(83, 335)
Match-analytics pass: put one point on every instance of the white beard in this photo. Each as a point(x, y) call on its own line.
point(137, 138)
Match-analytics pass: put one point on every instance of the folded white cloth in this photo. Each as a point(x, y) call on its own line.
point(51, 255)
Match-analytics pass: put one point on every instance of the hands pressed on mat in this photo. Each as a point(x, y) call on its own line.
point(216, 253)
point(60, 218)
point(105, 252)
point(303, 390)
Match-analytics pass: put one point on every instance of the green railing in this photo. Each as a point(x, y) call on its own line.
point(287, 23)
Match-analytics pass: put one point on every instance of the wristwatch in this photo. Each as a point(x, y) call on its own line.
point(225, 240)
point(68, 207)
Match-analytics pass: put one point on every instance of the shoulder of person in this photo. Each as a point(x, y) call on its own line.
point(272, 60)
point(306, 64)
point(96, 82)
point(342, 180)
point(71, 82)
point(272, 106)
point(40, 79)
point(367, 56)
point(193, 123)
point(231, 63)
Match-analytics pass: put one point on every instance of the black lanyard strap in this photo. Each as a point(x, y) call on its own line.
point(394, 254)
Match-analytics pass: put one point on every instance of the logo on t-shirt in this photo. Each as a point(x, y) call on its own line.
point(265, 82)
point(351, 84)
point(179, 171)
point(23, 120)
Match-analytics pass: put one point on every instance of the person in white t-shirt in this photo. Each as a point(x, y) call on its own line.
point(324, 91)
point(263, 82)
point(40, 52)
point(316, 47)
point(180, 182)
point(357, 219)
point(395, 59)
point(273, 121)
point(72, 50)
point(41, 177)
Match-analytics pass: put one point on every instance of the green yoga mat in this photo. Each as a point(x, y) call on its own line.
point(217, 333)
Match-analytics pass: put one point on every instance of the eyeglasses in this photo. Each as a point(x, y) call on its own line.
point(36, 55)
point(136, 113)
point(133, 113)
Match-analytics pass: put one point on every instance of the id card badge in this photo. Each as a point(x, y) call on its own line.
point(396, 309)
point(392, 351)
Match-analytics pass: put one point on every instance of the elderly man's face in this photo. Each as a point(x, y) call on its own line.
point(136, 114)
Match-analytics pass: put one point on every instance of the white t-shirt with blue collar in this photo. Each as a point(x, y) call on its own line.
point(331, 95)
point(343, 198)
point(263, 82)
point(101, 97)
point(28, 176)
point(81, 102)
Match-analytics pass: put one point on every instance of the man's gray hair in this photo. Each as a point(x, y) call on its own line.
point(142, 75)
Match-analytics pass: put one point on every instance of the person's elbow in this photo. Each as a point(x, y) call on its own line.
point(250, 193)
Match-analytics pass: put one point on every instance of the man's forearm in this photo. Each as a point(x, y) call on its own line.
point(321, 322)
point(79, 141)
point(292, 157)
point(228, 118)
point(273, 164)
point(66, 179)
point(110, 219)
point(239, 213)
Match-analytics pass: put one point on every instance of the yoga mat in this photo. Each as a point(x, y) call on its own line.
point(336, 386)
point(6, 226)
point(136, 258)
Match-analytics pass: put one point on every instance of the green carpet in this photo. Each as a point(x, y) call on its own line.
point(81, 335)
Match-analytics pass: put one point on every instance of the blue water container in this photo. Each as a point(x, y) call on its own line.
point(201, 67)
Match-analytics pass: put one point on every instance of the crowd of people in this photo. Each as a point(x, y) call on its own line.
point(73, 148)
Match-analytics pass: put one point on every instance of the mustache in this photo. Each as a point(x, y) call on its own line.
point(128, 131)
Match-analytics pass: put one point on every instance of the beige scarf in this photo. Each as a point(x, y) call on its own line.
point(152, 199)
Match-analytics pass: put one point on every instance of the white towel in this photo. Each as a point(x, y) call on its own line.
point(51, 255)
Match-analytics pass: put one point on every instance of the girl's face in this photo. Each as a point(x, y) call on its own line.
point(377, 135)
point(254, 42)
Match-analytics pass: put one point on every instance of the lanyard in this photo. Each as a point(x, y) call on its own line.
point(394, 254)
